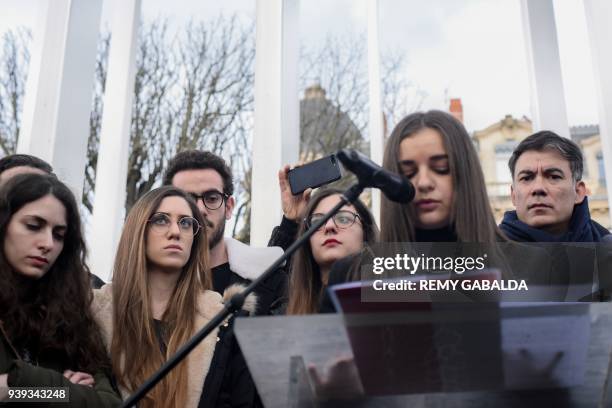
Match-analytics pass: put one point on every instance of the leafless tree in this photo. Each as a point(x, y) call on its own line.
point(14, 60)
point(334, 110)
point(191, 91)
point(195, 90)
point(400, 96)
point(95, 121)
point(152, 118)
point(338, 118)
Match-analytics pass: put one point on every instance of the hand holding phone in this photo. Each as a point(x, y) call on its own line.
point(293, 205)
point(314, 174)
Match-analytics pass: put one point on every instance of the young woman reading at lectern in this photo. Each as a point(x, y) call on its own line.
point(434, 151)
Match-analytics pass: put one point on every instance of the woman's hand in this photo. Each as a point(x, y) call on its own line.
point(78, 377)
point(292, 205)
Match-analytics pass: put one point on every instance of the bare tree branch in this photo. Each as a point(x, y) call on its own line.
point(14, 62)
point(195, 90)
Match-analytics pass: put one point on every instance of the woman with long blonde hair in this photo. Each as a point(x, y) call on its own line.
point(160, 295)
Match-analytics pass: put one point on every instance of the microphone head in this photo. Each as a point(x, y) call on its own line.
point(401, 191)
point(402, 195)
point(343, 156)
point(350, 159)
point(396, 187)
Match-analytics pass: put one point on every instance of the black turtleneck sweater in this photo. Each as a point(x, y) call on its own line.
point(445, 234)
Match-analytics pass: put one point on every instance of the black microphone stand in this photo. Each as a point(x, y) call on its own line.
point(235, 303)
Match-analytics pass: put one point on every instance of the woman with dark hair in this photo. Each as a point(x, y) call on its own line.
point(344, 234)
point(48, 337)
point(435, 152)
point(160, 295)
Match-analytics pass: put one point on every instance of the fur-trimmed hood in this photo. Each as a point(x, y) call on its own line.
point(199, 360)
point(250, 303)
point(250, 262)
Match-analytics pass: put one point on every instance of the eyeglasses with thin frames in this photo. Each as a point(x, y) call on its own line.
point(212, 199)
point(160, 224)
point(342, 219)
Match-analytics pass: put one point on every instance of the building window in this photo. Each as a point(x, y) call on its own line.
point(502, 172)
point(503, 151)
point(602, 170)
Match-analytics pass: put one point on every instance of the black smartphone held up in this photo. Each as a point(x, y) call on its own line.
point(314, 174)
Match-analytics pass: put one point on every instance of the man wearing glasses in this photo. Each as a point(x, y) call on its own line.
point(208, 179)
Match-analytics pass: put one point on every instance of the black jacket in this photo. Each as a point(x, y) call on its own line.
point(283, 235)
point(48, 373)
point(231, 385)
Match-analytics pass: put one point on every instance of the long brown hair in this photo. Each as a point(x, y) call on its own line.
point(471, 213)
point(51, 314)
point(135, 347)
point(305, 284)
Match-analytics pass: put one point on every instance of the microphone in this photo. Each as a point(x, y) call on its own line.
point(397, 188)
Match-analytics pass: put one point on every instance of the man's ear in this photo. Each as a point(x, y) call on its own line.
point(512, 194)
point(581, 191)
point(230, 203)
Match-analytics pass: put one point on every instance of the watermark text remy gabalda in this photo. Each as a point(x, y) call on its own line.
point(410, 265)
point(450, 284)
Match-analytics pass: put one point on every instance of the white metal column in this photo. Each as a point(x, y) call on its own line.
point(276, 137)
point(599, 16)
point(111, 173)
point(60, 86)
point(544, 65)
point(375, 126)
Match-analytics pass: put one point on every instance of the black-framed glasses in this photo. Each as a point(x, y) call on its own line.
point(160, 224)
point(342, 219)
point(212, 199)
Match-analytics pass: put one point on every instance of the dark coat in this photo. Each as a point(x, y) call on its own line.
point(231, 385)
point(572, 265)
point(49, 374)
point(283, 235)
point(581, 228)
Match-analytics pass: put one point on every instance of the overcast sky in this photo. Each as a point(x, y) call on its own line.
point(470, 49)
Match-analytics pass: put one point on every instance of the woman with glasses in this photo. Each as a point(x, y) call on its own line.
point(160, 296)
point(48, 336)
point(343, 235)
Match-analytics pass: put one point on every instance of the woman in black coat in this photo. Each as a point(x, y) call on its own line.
point(48, 337)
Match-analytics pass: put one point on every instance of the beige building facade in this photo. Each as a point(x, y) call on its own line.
point(496, 143)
